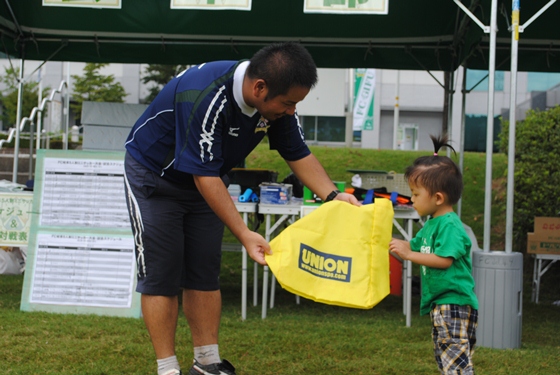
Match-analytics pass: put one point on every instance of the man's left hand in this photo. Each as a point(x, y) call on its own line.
point(349, 198)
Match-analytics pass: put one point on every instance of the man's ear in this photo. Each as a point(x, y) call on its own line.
point(259, 88)
point(440, 198)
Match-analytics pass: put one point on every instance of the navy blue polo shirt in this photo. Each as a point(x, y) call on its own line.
point(200, 125)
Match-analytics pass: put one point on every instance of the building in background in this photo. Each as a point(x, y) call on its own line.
point(328, 113)
point(416, 98)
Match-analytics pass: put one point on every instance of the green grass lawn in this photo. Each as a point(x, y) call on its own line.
point(308, 338)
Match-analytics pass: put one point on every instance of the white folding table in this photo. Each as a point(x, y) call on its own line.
point(246, 209)
point(543, 262)
point(407, 215)
point(275, 216)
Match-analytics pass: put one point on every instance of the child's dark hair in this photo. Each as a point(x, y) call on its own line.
point(437, 173)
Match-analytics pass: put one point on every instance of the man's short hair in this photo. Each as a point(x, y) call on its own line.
point(283, 66)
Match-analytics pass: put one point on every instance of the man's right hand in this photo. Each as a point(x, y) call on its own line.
point(256, 247)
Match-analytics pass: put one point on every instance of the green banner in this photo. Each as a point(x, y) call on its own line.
point(364, 93)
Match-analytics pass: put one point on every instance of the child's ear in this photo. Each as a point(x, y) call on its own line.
point(440, 198)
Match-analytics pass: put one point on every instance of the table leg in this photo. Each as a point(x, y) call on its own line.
point(534, 283)
point(269, 231)
point(272, 290)
point(409, 279)
point(539, 267)
point(543, 266)
point(409, 293)
point(290, 219)
point(407, 269)
point(265, 291)
point(255, 283)
point(244, 277)
point(404, 277)
point(265, 271)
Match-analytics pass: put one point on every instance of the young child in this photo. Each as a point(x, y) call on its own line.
point(442, 248)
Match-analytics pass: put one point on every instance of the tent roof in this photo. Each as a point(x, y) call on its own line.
point(434, 35)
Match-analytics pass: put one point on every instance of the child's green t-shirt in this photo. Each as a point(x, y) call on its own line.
point(445, 236)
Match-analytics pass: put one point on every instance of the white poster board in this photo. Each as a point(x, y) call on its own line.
point(74, 188)
point(83, 270)
point(81, 249)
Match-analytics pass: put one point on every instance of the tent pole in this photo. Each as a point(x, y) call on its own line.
point(18, 115)
point(536, 15)
point(396, 112)
point(40, 118)
point(492, 30)
point(32, 130)
point(349, 128)
point(449, 91)
point(515, 30)
point(462, 132)
point(490, 127)
point(512, 124)
point(66, 110)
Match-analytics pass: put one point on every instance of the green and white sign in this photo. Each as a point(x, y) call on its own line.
point(15, 218)
point(211, 4)
point(364, 92)
point(346, 6)
point(84, 3)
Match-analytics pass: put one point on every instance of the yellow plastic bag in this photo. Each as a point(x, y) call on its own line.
point(338, 254)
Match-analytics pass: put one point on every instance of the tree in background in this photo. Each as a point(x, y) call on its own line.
point(537, 169)
point(95, 87)
point(9, 97)
point(159, 75)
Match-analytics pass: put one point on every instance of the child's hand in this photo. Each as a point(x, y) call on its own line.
point(400, 248)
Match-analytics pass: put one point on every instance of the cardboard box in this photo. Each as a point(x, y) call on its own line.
point(546, 236)
point(272, 193)
point(548, 227)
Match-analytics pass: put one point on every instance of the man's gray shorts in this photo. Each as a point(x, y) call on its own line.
point(178, 238)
